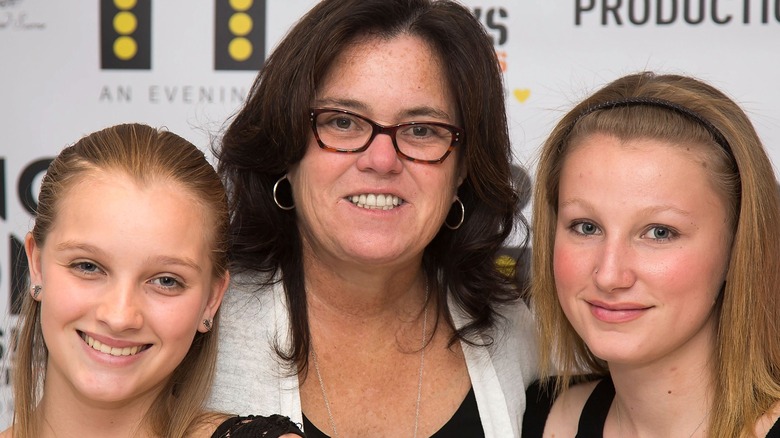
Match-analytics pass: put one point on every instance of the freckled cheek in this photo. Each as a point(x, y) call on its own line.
point(681, 276)
point(571, 270)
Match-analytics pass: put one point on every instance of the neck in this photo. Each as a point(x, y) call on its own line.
point(381, 309)
point(650, 399)
point(363, 292)
point(63, 413)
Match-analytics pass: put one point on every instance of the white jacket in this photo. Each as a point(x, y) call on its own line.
point(251, 379)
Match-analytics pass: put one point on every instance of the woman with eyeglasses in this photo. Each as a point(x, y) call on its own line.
point(369, 176)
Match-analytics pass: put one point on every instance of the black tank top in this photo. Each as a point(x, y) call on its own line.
point(465, 422)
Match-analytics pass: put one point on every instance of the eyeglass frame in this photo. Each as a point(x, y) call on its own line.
point(390, 130)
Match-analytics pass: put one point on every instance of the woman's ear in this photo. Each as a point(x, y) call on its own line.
point(33, 259)
point(463, 172)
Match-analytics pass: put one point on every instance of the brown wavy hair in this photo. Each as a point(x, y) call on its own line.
point(270, 133)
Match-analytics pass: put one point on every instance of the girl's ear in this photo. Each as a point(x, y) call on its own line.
point(218, 289)
point(33, 259)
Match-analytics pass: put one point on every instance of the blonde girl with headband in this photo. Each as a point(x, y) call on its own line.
point(655, 268)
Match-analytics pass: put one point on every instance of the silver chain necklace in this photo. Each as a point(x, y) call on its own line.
point(419, 379)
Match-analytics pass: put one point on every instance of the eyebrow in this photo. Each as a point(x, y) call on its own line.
point(70, 245)
point(647, 210)
point(186, 262)
point(360, 107)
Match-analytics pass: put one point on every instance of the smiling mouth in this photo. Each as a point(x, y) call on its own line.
point(376, 202)
point(617, 313)
point(113, 351)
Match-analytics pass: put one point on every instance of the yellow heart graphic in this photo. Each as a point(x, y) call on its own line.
point(522, 94)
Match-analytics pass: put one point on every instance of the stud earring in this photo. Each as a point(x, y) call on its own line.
point(207, 324)
point(35, 290)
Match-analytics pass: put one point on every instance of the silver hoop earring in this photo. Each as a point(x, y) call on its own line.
point(207, 324)
point(462, 216)
point(35, 291)
point(276, 201)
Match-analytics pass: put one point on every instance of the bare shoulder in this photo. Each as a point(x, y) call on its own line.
point(8, 433)
point(565, 412)
point(768, 420)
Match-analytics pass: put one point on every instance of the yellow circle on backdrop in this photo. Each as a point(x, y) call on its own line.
point(125, 4)
point(240, 5)
point(240, 24)
point(240, 49)
point(125, 23)
point(125, 48)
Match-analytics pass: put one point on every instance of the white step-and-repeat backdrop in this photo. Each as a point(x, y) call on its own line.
point(68, 68)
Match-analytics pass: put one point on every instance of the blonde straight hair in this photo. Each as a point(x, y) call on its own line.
point(146, 155)
point(746, 362)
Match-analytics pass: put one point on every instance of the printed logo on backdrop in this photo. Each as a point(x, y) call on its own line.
point(126, 42)
point(25, 191)
point(15, 274)
point(126, 34)
point(239, 34)
point(675, 12)
point(495, 21)
point(15, 18)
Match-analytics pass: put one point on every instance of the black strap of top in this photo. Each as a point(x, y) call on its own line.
point(774, 432)
point(594, 413)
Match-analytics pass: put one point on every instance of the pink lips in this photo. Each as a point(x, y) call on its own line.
point(111, 352)
point(616, 313)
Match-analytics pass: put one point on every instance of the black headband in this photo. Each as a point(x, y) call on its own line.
point(634, 101)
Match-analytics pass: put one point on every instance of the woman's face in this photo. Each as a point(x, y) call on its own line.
point(126, 284)
point(641, 249)
point(388, 81)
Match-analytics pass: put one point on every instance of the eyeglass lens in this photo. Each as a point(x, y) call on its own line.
point(349, 132)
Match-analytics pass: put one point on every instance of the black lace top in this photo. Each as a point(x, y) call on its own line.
point(256, 427)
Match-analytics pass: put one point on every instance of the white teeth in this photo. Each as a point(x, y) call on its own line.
point(113, 351)
point(373, 201)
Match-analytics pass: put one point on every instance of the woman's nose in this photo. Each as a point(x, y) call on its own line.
point(614, 267)
point(381, 156)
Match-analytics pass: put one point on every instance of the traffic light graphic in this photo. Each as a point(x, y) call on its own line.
point(239, 34)
point(126, 34)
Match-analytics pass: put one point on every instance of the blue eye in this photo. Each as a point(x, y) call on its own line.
point(585, 228)
point(86, 267)
point(659, 232)
point(167, 282)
